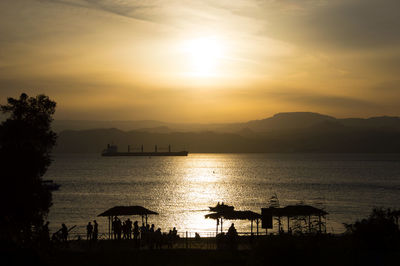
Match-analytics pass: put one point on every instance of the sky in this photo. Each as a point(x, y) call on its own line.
point(202, 60)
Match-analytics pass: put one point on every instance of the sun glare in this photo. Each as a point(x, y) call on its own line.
point(203, 56)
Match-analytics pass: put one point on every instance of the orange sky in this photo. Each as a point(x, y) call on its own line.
point(202, 61)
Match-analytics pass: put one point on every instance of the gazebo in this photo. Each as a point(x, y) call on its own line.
point(126, 211)
point(235, 215)
point(292, 211)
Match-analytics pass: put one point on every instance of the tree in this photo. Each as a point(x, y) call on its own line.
point(378, 230)
point(26, 140)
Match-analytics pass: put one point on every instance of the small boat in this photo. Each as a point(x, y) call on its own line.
point(50, 185)
point(221, 208)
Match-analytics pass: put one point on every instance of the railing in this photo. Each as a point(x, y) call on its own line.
point(185, 240)
point(181, 234)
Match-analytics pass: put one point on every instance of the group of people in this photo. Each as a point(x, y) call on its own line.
point(92, 231)
point(123, 229)
point(145, 235)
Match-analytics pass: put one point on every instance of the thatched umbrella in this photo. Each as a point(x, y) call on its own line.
point(235, 215)
point(125, 211)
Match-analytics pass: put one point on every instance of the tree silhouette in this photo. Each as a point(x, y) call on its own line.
point(26, 140)
point(378, 230)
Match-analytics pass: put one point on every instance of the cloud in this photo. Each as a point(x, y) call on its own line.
point(140, 10)
point(329, 101)
point(341, 24)
point(305, 97)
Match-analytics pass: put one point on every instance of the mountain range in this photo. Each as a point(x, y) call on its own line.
point(283, 132)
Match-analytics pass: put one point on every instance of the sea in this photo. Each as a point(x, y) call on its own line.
point(181, 189)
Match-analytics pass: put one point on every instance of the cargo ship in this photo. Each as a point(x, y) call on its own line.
point(112, 150)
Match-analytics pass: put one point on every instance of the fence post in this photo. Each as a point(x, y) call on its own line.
point(187, 244)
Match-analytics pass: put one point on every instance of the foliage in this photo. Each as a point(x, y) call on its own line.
point(26, 140)
point(379, 229)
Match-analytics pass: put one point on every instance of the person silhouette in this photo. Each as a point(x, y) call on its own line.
point(136, 233)
point(232, 236)
point(89, 231)
point(114, 227)
point(64, 232)
point(151, 236)
point(119, 228)
point(45, 234)
point(128, 224)
point(95, 230)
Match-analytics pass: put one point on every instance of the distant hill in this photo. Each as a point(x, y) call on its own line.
point(278, 122)
point(61, 125)
point(284, 132)
point(373, 122)
point(288, 121)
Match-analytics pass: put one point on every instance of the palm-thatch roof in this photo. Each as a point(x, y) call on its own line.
point(234, 215)
point(127, 210)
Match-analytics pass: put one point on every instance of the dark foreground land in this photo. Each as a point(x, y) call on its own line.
point(272, 250)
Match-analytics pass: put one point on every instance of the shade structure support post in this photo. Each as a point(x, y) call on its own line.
point(109, 227)
point(257, 222)
point(309, 224)
point(216, 231)
point(221, 226)
point(288, 224)
point(319, 224)
point(279, 224)
point(142, 219)
point(146, 219)
point(251, 227)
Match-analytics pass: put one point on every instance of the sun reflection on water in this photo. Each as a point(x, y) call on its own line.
point(201, 181)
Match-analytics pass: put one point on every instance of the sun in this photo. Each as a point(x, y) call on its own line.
point(203, 56)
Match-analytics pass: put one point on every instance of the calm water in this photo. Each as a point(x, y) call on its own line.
point(182, 188)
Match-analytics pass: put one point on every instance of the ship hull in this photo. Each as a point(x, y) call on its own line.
point(177, 153)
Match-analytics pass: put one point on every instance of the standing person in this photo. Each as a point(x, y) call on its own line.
point(232, 236)
point(46, 232)
point(136, 233)
point(147, 234)
point(128, 224)
point(114, 227)
point(158, 238)
point(45, 235)
point(95, 231)
point(124, 230)
point(143, 234)
point(89, 231)
point(151, 237)
point(119, 228)
point(64, 233)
